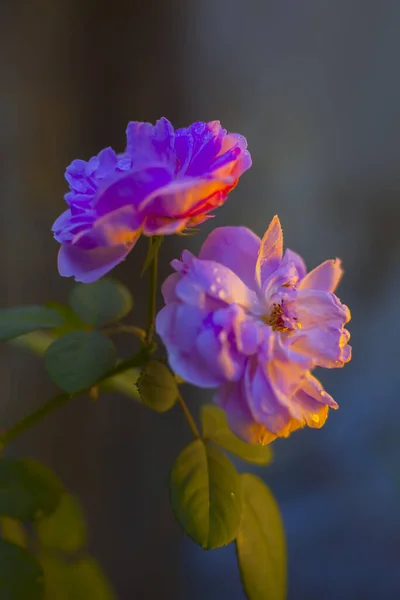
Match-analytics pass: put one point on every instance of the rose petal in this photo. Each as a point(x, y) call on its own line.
point(236, 248)
point(325, 277)
point(89, 265)
point(271, 251)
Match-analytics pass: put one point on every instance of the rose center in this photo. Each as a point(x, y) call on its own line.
point(279, 321)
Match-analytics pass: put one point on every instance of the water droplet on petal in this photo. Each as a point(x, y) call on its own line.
point(222, 294)
point(213, 288)
point(315, 418)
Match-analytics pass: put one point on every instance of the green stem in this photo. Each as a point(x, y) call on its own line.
point(34, 417)
point(122, 328)
point(137, 360)
point(189, 417)
point(151, 312)
point(16, 430)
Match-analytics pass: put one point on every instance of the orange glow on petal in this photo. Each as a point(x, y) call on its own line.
point(121, 236)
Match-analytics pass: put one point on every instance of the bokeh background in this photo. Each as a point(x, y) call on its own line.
point(314, 87)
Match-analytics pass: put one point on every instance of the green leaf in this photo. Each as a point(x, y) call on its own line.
point(156, 242)
point(261, 543)
point(21, 577)
point(70, 318)
point(124, 383)
point(157, 387)
point(13, 531)
point(37, 341)
point(79, 359)
point(65, 528)
point(28, 489)
point(79, 580)
point(206, 495)
point(215, 428)
point(24, 319)
point(104, 301)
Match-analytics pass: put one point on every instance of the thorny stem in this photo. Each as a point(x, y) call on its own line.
point(189, 417)
point(122, 328)
point(34, 417)
point(151, 312)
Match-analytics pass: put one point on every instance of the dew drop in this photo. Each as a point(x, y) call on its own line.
point(315, 418)
point(213, 289)
point(222, 294)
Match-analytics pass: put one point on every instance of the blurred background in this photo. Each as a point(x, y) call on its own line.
point(314, 87)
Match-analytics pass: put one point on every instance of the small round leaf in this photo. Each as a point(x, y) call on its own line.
point(157, 387)
point(215, 428)
point(70, 318)
point(79, 359)
point(21, 577)
point(24, 319)
point(79, 580)
point(206, 495)
point(28, 489)
point(104, 301)
point(13, 531)
point(65, 528)
point(261, 543)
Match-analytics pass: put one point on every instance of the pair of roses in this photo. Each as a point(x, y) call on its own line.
point(244, 317)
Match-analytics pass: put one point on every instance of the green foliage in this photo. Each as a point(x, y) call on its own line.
point(24, 319)
point(124, 383)
point(28, 489)
point(81, 579)
point(71, 321)
point(60, 528)
point(21, 577)
point(215, 428)
point(261, 543)
point(65, 528)
point(78, 359)
point(154, 247)
point(102, 302)
point(157, 386)
point(206, 495)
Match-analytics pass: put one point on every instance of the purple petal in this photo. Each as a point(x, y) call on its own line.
point(315, 307)
point(271, 251)
point(293, 257)
point(327, 346)
point(146, 141)
point(325, 277)
point(155, 225)
point(121, 226)
point(250, 335)
point(311, 403)
point(131, 188)
point(179, 327)
point(207, 142)
point(285, 374)
point(168, 288)
point(219, 355)
point(236, 248)
point(262, 401)
point(89, 265)
point(207, 279)
point(232, 398)
point(183, 197)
